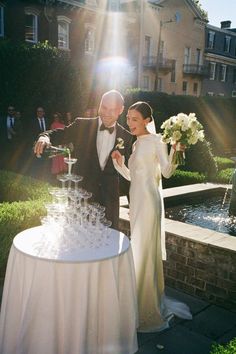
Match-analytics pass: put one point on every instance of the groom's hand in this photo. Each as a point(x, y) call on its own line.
point(40, 145)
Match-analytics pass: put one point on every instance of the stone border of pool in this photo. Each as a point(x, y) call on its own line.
point(200, 262)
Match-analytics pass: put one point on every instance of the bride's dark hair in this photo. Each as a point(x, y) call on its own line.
point(143, 108)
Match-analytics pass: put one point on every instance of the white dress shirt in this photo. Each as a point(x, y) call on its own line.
point(42, 122)
point(105, 143)
point(10, 124)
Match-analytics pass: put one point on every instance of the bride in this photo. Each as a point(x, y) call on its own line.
point(149, 160)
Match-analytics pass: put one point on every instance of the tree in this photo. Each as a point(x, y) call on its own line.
point(38, 75)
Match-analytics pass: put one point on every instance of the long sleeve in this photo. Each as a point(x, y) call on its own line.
point(167, 168)
point(123, 170)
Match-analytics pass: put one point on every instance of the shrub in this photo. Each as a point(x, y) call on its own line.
point(223, 163)
point(181, 178)
point(39, 63)
point(216, 114)
point(224, 176)
point(23, 213)
point(229, 348)
point(199, 158)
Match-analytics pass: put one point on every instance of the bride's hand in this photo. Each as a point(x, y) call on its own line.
point(179, 147)
point(117, 156)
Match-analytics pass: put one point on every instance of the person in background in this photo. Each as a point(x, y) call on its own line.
point(8, 135)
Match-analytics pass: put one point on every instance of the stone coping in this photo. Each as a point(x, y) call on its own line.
point(189, 231)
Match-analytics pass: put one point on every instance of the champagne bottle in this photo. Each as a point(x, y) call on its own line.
point(51, 151)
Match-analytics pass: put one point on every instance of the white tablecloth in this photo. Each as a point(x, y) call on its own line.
point(78, 303)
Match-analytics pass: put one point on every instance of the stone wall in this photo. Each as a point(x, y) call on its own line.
point(199, 269)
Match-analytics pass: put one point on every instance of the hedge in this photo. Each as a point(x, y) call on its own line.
point(181, 178)
point(16, 216)
point(229, 348)
point(224, 176)
point(24, 70)
point(217, 114)
point(223, 163)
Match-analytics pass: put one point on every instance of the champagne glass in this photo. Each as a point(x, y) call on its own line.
point(70, 161)
point(63, 178)
point(76, 179)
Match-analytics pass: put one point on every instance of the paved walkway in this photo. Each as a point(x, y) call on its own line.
point(210, 324)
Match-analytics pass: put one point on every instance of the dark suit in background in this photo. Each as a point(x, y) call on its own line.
point(8, 139)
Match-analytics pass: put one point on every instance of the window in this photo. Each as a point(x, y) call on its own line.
point(223, 69)
point(31, 26)
point(187, 55)
point(234, 76)
point(1, 21)
point(185, 87)
point(233, 93)
point(195, 88)
point(161, 52)
point(198, 56)
point(211, 40)
point(113, 5)
point(146, 82)
point(89, 41)
point(147, 46)
point(160, 84)
point(212, 70)
point(227, 44)
point(63, 32)
point(173, 71)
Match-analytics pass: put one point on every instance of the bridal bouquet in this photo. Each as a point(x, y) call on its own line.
point(182, 130)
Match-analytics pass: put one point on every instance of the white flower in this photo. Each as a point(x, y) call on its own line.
point(201, 135)
point(176, 136)
point(193, 139)
point(166, 124)
point(182, 128)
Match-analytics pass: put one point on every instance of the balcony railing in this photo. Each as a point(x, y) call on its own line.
point(163, 65)
point(195, 69)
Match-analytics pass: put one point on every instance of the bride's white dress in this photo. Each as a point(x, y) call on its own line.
point(148, 161)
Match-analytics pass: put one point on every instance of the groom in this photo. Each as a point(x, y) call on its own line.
point(93, 141)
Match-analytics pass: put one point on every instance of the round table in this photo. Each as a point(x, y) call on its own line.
point(69, 301)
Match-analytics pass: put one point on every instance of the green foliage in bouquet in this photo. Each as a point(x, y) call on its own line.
point(21, 205)
point(229, 348)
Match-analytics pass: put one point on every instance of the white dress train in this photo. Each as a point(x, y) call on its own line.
point(148, 161)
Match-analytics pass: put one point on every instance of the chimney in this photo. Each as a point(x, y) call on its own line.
point(225, 24)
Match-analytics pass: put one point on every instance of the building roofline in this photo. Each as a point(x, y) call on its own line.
point(196, 10)
point(223, 30)
point(220, 58)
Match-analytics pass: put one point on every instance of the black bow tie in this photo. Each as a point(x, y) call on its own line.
point(110, 129)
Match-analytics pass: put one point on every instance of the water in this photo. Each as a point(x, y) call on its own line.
point(209, 212)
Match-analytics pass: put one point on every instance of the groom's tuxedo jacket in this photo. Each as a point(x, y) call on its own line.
point(104, 185)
